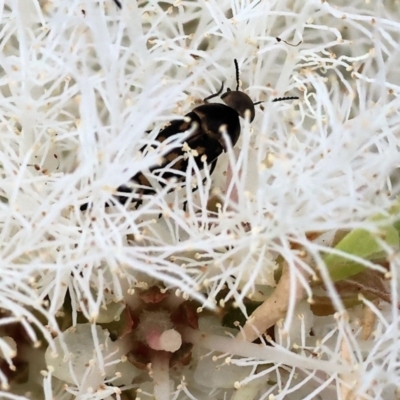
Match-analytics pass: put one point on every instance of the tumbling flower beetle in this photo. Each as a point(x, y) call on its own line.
point(206, 142)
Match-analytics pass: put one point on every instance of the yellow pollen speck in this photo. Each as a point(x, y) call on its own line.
point(186, 147)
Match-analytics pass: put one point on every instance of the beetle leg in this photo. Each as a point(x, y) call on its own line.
point(212, 167)
point(214, 94)
point(86, 206)
point(124, 199)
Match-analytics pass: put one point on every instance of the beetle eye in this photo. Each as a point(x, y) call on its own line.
point(228, 89)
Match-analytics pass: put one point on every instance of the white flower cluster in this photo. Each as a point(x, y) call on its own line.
point(84, 87)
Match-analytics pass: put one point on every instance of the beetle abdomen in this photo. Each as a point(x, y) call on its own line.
point(203, 144)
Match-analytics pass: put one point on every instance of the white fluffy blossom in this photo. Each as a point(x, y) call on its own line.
point(84, 87)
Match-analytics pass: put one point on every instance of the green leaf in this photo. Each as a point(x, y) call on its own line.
point(397, 226)
point(360, 243)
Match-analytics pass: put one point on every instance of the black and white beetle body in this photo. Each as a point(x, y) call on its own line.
point(206, 142)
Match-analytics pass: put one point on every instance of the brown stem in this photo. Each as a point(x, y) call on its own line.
point(273, 309)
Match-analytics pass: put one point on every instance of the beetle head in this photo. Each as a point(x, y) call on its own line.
point(240, 102)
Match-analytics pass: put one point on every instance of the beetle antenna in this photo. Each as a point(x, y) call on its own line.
point(277, 99)
point(278, 39)
point(237, 74)
point(285, 98)
point(118, 3)
point(214, 94)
